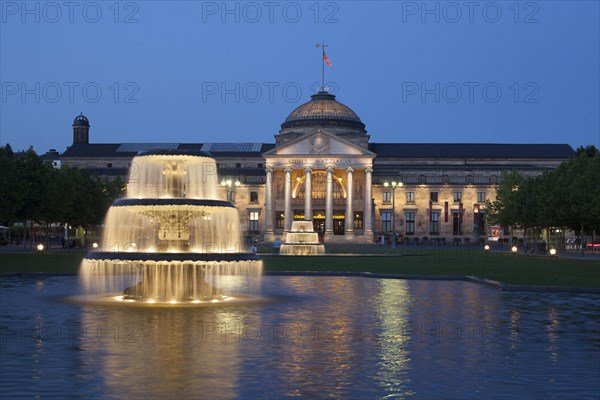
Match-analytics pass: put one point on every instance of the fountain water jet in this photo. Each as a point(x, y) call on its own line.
point(170, 239)
point(302, 240)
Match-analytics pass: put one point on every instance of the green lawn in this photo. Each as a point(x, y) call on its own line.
point(507, 268)
point(63, 261)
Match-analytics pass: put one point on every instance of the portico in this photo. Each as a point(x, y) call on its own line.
point(320, 177)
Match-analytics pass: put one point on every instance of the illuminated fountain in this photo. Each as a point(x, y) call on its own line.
point(170, 239)
point(302, 240)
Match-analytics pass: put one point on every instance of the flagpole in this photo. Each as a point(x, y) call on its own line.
point(323, 45)
point(323, 69)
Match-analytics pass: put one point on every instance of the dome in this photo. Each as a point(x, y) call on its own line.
point(323, 110)
point(81, 120)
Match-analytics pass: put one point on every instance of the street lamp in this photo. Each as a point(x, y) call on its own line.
point(395, 185)
point(476, 227)
point(229, 183)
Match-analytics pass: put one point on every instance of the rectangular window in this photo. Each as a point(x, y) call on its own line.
point(410, 197)
point(238, 165)
point(481, 197)
point(386, 221)
point(279, 219)
point(457, 197)
point(358, 220)
point(434, 223)
point(433, 196)
point(260, 165)
point(109, 165)
point(253, 197)
point(253, 225)
point(410, 223)
point(231, 196)
point(387, 197)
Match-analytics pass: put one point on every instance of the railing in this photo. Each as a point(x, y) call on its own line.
point(437, 179)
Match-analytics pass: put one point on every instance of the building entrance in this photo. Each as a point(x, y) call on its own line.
point(338, 226)
point(456, 228)
point(319, 225)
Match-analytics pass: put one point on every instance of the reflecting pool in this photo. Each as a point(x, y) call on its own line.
point(313, 337)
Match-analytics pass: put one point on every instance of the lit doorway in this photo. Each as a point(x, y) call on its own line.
point(338, 226)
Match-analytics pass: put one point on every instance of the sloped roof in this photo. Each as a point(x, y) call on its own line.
point(382, 150)
point(129, 150)
point(95, 150)
point(470, 150)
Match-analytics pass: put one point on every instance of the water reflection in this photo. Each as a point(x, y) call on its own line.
point(316, 352)
point(392, 304)
point(323, 337)
point(167, 353)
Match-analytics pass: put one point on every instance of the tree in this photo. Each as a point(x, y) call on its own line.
point(566, 196)
point(504, 210)
point(12, 189)
point(34, 175)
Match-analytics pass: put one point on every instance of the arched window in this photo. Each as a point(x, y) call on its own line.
point(319, 187)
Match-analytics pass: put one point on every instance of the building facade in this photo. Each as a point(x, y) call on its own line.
point(323, 167)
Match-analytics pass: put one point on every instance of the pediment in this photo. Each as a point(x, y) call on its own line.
point(319, 142)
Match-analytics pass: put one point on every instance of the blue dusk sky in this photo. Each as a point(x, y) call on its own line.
point(195, 72)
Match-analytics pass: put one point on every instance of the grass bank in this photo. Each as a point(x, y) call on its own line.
point(508, 268)
point(53, 261)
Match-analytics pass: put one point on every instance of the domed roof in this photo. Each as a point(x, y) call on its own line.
point(323, 110)
point(81, 120)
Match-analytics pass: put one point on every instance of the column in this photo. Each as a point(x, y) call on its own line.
point(349, 220)
point(308, 212)
point(329, 204)
point(288, 217)
point(368, 221)
point(269, 204)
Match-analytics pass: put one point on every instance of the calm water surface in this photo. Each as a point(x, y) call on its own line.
point(321, 337)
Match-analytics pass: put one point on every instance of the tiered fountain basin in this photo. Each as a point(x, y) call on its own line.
point(302, 240)
point(170, 240)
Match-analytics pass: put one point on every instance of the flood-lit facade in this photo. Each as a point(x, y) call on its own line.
point(359, 189)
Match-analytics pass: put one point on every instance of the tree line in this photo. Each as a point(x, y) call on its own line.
point(33, 191)
point(565, 197)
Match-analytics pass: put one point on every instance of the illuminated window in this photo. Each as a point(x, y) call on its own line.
point(253, 224)
point(410, 197)
point(319, 187)
point(358, 220)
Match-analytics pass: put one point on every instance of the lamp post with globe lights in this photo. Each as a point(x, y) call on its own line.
point(231, 185)
point(394, 185)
